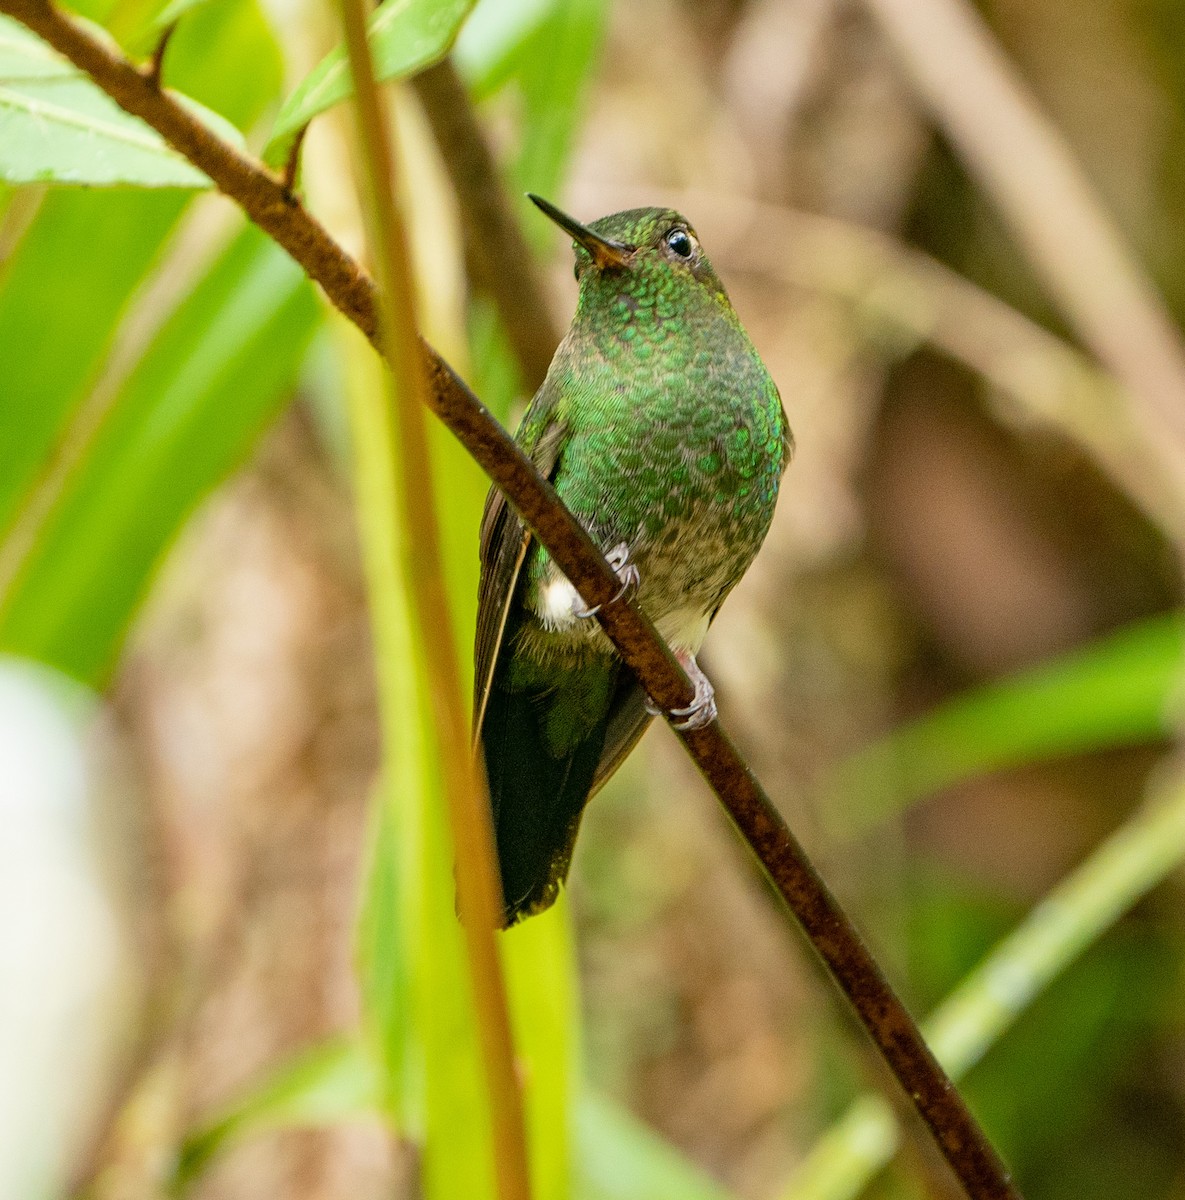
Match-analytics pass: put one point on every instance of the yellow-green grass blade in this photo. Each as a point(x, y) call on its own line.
point(62, 296)
point(418, 1010)
point(1121, 690)
point(621, 1159)
point(324, 1085)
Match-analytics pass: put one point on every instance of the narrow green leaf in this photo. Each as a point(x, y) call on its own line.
point(538, 961)
point(554, 77)
point(324, 1085)
point(58, 127)
point(620, 1159)
point(438, 1052)
point(216, 372)
point(62, 295)
point(173, 11)
point(540, 967)
point(225, 55)
point(537, 956)
point(988, 1002)
point(458, 1146)
point(1122, 690)
point(492, 40)
point(383, 948)
point(405, 37)
point(419, 1019)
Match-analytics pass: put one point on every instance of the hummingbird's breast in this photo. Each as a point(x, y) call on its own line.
point(681, 463)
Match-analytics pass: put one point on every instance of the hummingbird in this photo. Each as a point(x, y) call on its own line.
point(663, 433)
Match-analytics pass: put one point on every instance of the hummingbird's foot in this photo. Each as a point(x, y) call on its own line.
point(702, 710)
point(619, 559)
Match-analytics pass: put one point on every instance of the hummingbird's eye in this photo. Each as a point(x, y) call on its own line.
point(679, 242)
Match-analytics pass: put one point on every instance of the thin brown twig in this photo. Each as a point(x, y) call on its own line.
point(292, 162)
point(260, 194)
point(479, 899)
point(156, 63)
point(498, 254)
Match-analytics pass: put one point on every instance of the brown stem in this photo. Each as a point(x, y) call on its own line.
point(156, 63)
point(292, 162)
point(479, 898)
point(497, 252)
point(260, 193)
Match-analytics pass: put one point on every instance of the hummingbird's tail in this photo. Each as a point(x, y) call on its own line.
point(543, 742)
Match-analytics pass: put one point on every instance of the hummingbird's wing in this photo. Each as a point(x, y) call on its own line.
point(504, 541)
point(628, 720)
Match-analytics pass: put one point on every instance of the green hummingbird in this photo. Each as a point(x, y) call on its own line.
point(664, 434)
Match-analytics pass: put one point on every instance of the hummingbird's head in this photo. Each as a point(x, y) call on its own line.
point(639, 243)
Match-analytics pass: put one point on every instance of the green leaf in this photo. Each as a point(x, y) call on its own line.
point(620, 1159)
point(225, 55)
point(58, 127)
point(1120, 691)
point(491, 41)
point(23, 55)
point(555, 73)
point(540, 967)
point(173, 11)
point(418, 1010)
point(384, 940)
point(405, 37)
point(62, 295)
point(217, 371)
point(422, 1017)
point(324, 1085)
point(64, 291)
point(67, 131)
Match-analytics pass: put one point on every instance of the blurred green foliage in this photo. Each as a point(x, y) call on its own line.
point(1122, 690)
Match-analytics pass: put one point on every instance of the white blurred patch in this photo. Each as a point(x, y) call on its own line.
point(557, 604)
point(64, 992)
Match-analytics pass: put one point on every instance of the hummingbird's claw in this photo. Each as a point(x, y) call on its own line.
point(702, 710)
point(619, 559)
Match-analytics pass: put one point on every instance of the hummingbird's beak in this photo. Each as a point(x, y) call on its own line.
point(605, 253)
